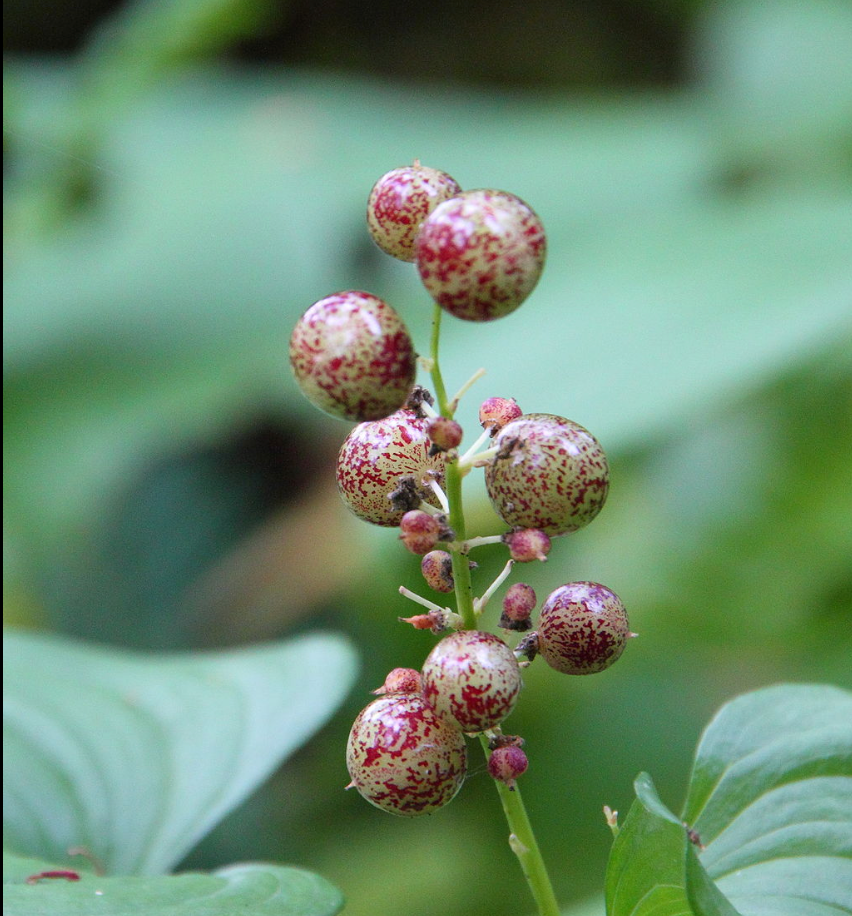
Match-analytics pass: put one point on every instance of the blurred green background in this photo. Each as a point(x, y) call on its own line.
point(184, 177)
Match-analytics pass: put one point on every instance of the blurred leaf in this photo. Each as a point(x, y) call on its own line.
point(771, 803)
point(175, 305)
point(137, 757)
point(251, 890)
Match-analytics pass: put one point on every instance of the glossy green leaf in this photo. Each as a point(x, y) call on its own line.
point(250, 890)
point(770, 802)
point(137, 757)
point(771, 798)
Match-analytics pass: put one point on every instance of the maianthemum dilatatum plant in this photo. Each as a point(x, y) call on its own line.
point(479, 255)
point(117, 763)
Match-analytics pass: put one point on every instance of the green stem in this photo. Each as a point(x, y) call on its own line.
point(523, 843)
point(521, 836)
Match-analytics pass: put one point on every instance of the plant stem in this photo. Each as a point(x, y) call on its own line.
point(521, 836)
point(523, 843)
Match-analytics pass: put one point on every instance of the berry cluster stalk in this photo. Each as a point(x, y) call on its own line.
point(521, 836)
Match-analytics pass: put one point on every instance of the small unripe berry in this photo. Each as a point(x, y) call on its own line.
point(383, 458)
point(480, 254)
point(399, 202)
point(518, 604)
point(582, 628)
point(419, 531)
point(471, 679)
point(445, 433)
point(527, 544)
point(507, 763)
point(352, 356)
point(401, 680)
point(550, 473)
point(495, 413)
point(437, 569)
point(403, 758)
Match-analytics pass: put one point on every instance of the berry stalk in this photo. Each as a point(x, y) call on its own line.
point(521, 835)
point(452, 484)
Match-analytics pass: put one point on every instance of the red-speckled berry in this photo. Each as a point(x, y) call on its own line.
point(437, 569)
point(381, 457)
point(480, 254)
point(471, 679)
point(495, 413)
point(401, 680)
point(445, 433)
point(527, 544)
point(419, 531)
point(518, 604)
point(582, 628)
point(507, 763)
point(403, 758)
point(550, 473)
point(400, 201)
point(352, 356)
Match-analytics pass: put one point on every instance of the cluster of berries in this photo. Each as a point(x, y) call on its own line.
point(479, 254)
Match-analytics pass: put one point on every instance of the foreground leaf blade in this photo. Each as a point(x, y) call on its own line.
point(251, 890)
point(771, 797)
point(770, 802)
point(137, 757)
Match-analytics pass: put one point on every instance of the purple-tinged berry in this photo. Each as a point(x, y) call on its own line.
point(495, 413)
point(472, 680)
point(352, 356)
point(527, 544)
point(437, 569)
point(419, 531)
point(403, 758)
point(401, 680)
point(518, 604)
point(549, 473)
point(480, 254)
point(384, 467)
point(445, 433)
point(507, 763)
point(400, 201)
point(582, 628)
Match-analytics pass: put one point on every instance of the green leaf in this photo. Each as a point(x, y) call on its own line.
point(771, 803)
point(137, 757)
point(251, 890)
point(771, 798)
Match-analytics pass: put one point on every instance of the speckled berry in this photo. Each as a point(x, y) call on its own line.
point(352, 356)
point(495, 413)
point(582, 628)
point(445, 433)
point(480, 254)
point(403, 758)
point(549, 473)
point(437, 569)
point(472, 680)
point(507, 763)
point(401, 680)
point(518, 604)
point(382, 458)
point(419, 531)
point(400, 201)
point(527, 544)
